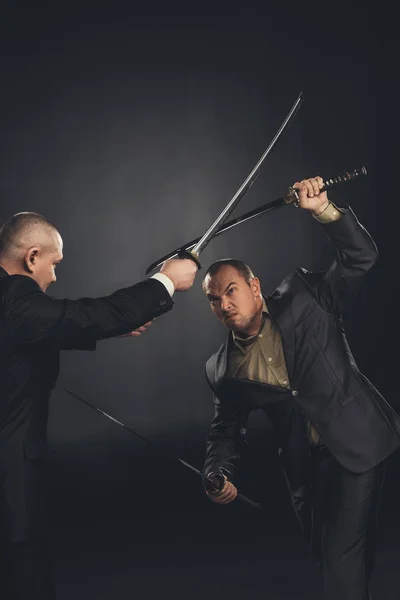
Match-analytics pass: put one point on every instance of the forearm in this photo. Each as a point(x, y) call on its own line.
point(221, 461)
point(356, 254)
point(38, 318)
point(123, 311)
point(356, 249)
point(222, 453)
point(340, 224)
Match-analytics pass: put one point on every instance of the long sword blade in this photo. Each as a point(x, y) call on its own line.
point(133, 432)
point(257, 212)
point(204, 240)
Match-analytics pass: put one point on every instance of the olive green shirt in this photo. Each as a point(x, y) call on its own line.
point(260, 357)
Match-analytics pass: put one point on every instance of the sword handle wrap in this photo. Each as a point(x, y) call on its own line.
point(292, 196)
point(183, 253)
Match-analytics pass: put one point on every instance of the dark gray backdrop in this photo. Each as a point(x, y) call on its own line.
point(131, 133)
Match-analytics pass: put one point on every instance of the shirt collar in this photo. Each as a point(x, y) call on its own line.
point(240, 340)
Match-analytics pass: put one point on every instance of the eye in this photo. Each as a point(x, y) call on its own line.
point(213, 301)
point(231, 290)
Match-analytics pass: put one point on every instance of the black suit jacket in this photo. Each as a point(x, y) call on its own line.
point(356, 424)
point(34, 327)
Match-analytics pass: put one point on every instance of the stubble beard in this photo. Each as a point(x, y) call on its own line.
point(242, 325)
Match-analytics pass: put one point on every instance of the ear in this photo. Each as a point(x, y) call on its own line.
point(255, 286)
point(30, 259)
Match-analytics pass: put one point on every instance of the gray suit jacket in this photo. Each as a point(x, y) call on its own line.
point(356, 423)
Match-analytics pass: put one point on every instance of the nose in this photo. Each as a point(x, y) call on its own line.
point(225, 304)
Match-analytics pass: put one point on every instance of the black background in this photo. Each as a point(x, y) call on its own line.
point(130, 130)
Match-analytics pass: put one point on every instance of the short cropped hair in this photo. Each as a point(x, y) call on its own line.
point(240, 266)
point(20, 226)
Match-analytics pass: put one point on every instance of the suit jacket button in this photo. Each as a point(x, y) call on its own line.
point(295, 393)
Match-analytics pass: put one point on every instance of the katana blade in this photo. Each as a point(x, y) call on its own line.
point(289, 198)
point(252, 214)
point(141, 437)
point(208, 235)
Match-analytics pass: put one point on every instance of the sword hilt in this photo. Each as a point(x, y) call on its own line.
point(292, 196)
point(183, 253)
point(214, 482)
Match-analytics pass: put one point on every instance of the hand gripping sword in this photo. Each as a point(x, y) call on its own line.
point(213, 482)
point(291, 197)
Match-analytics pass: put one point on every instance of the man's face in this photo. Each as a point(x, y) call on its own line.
point(44, 260)
point(235, 302)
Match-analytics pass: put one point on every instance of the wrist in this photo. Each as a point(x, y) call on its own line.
point(321, 209)
point(167, 281)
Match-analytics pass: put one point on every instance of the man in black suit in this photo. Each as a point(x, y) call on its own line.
point(34, 328)
point(287, 354)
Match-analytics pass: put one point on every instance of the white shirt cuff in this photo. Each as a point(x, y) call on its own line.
point(166, 281)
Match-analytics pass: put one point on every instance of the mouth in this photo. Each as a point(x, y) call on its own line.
point(229, 317)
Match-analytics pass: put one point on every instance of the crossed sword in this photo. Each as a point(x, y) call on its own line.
point(192, 250)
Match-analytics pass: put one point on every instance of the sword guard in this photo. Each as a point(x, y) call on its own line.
point(291, 197)
point(214, 482)
point(183, 253)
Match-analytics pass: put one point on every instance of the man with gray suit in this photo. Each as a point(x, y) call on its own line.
point(287, 354)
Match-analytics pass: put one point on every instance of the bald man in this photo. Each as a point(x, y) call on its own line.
point(34, 328)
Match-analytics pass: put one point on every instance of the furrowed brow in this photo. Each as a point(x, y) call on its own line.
point(229, 285)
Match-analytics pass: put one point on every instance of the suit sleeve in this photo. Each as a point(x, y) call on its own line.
point(225, 440)
point(36, 318)
point(356, 254)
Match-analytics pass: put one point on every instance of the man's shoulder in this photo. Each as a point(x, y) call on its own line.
point(17, 285)
point(310, 279)
point(288, 283)
point(16, 293)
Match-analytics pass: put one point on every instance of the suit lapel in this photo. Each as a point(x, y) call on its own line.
point(281, 313)
point(216, 366)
